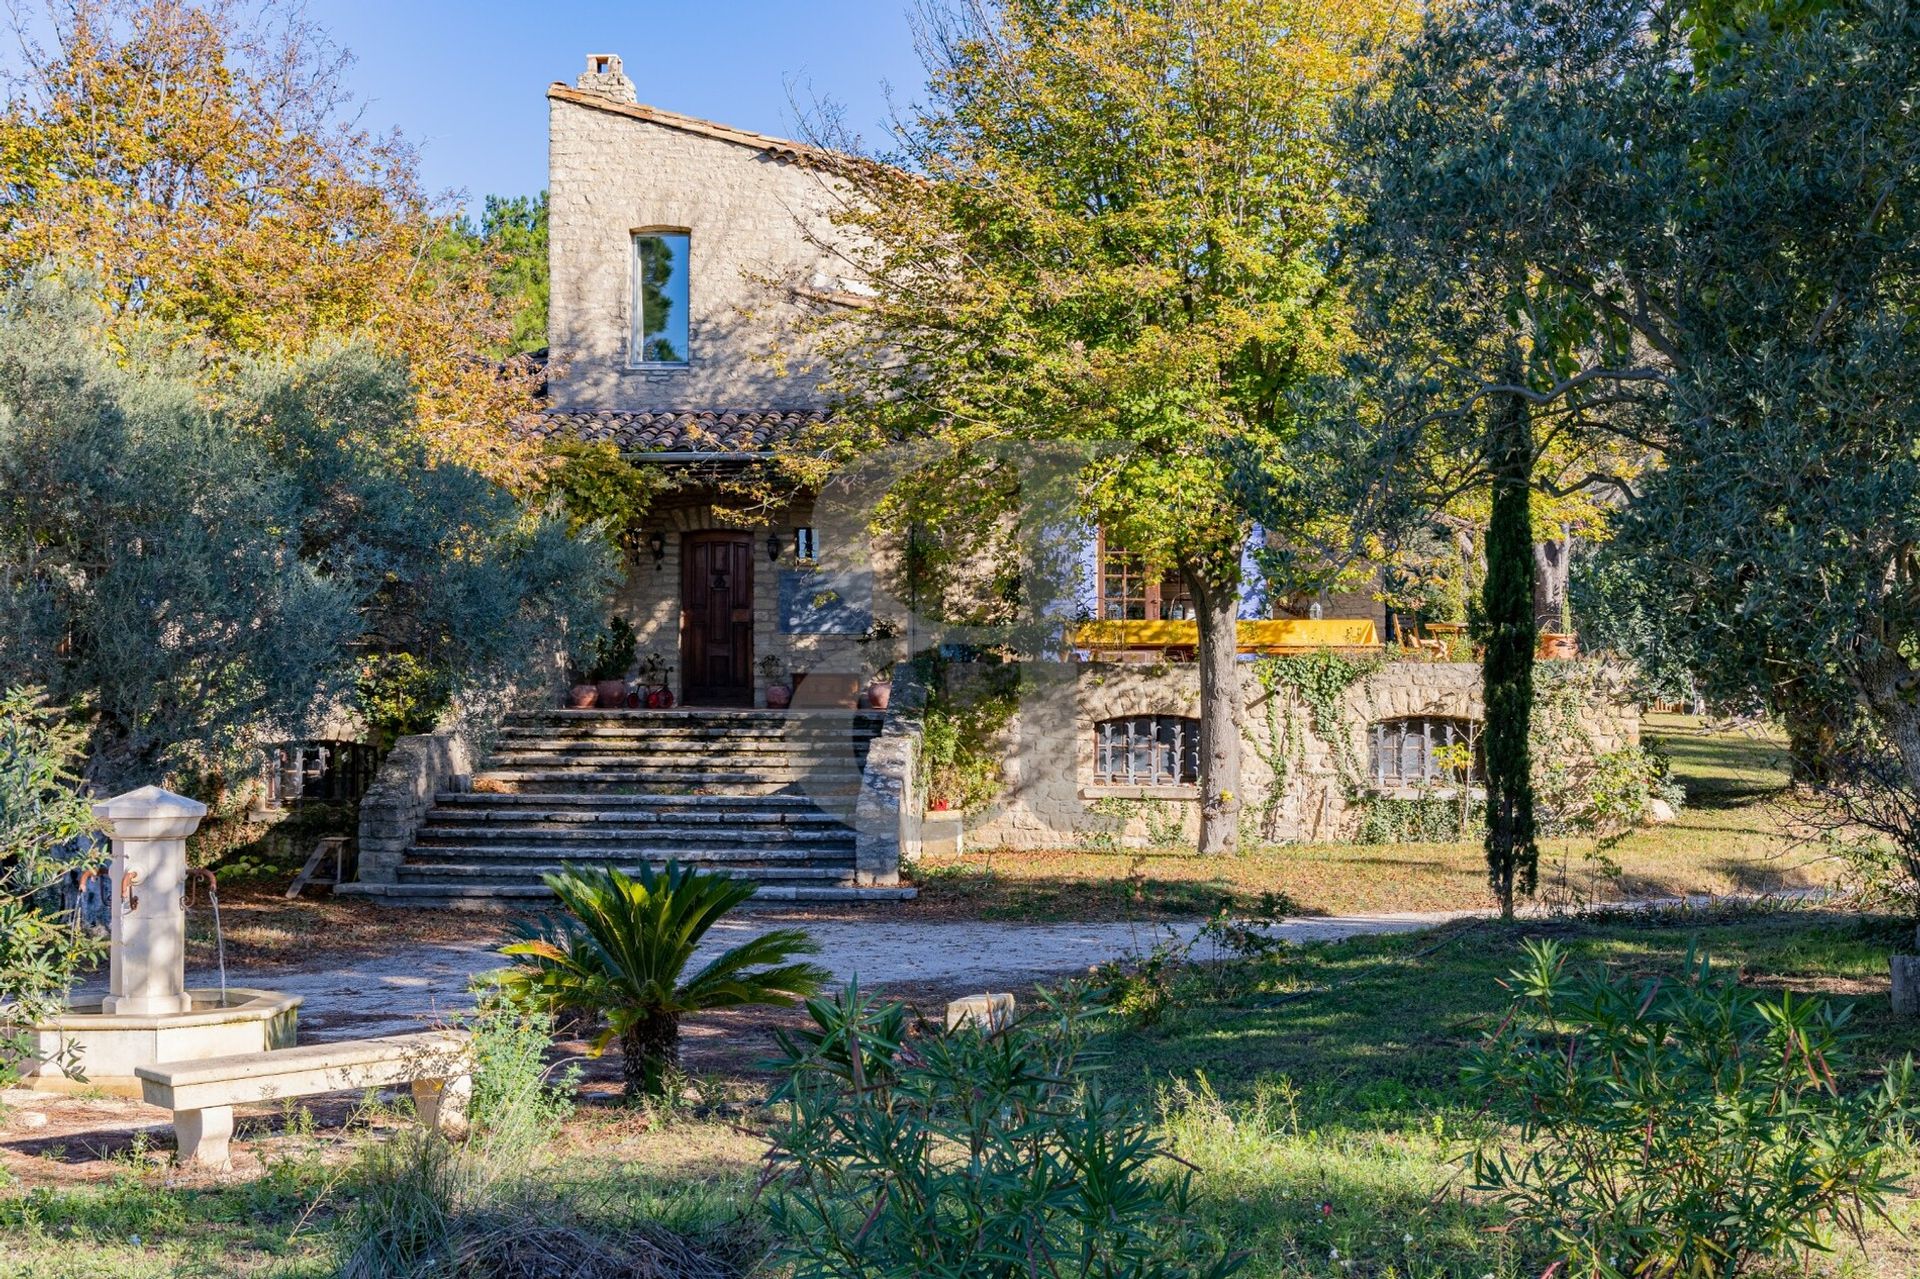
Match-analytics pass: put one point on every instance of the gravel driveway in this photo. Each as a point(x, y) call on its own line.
point(416, 985)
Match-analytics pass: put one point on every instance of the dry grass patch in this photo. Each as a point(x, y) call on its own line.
point(1731, 838)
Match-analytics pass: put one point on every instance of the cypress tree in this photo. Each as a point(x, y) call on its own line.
point(1507, 665)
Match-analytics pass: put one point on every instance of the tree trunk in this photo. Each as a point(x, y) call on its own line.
point(1552, 566)
point(650, 1056)
point(1507, 668)
point(1813, 735)
point(1891, 688)
point(1218, 608)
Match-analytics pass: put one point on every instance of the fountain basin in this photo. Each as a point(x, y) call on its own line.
point(111, 1045)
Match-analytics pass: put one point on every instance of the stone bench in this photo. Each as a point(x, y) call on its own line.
point(202, 1094)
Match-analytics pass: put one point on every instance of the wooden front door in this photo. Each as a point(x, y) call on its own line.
point(716, 627)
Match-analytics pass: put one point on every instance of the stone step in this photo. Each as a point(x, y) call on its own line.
point(783, 756)
point(639, 821)
point(701, 717)
point(599, 800)
point(693, 732)
point(549, 857)
point(627, 784)
point(671, 836)
point(528, 868)
point(519, 896)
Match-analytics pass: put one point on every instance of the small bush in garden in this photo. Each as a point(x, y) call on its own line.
point(417, 1198)
point(1681, 1127)
point(969, 1154)
point(46, 831)
point(622, 952)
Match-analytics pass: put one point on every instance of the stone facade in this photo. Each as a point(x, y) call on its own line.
point(1061, 705)
point(750, 204)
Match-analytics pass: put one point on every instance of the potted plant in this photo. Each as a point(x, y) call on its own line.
point(779, 696)
point(880, 688)
point(656, 676)
point(612, 659)
point(1563, 644)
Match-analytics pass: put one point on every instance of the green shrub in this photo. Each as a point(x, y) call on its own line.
point(961, 758)
point(43, 818)
point(970, 1154)
point(1680, 1127)
point(420, 1202)
point(622, 951)
point(613, 653)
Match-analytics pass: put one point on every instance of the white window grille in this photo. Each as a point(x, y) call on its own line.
point(1147, 750)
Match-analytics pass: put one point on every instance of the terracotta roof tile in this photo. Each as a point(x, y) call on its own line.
point(678, 431)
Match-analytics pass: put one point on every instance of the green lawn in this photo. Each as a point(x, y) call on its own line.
point(1319, 1099)
point(1325, 1106)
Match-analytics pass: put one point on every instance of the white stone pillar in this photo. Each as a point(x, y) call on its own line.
point(147, 962)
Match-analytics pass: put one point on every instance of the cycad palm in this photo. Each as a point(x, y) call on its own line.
point(621, 951)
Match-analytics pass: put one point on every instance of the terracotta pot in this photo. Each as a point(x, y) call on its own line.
point(612, 694)
point(779, 697)
point(1558, 646)
point(939, 806)
point(582, 696)
point(879, 694)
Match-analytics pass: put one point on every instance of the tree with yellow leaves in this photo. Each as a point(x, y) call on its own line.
point(1108, 231)
point(198, 166)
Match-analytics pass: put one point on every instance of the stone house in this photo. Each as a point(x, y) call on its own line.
point(682, 253)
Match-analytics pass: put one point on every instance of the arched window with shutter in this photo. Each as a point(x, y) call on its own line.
point(1418, 750)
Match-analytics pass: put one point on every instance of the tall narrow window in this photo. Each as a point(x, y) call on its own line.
point(1129, 593)
point(659, 298)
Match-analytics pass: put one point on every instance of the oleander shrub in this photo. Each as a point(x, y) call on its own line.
point(970, 1154)
point(1681, 1125)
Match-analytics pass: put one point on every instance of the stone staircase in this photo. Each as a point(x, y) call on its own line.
point(761, 795)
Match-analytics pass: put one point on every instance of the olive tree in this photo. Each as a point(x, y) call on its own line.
point(199, 566)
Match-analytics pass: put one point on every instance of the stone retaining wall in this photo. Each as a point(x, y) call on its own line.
point(391, 811)
point(1051, 797)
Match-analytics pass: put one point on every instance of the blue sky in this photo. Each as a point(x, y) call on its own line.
point(464, 79)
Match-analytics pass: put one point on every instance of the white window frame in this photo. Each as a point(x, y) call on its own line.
point(636, 320)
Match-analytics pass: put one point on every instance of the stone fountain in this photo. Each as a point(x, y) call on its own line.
point(148, 1015)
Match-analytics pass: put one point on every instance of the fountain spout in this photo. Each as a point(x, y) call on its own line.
point(194, 875)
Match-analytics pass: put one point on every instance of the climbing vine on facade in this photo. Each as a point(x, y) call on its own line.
point(1314, 683)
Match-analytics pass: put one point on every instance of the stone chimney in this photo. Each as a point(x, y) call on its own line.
point(604, 77)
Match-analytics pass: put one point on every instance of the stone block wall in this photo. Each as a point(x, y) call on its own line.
point(414, 771)
point(749, 211)
point(651, 598)
point(1051, 799)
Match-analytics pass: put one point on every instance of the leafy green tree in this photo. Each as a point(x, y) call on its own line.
point(510, 245)
point(1732, 188)
point(46, 826)
point(1482, 381)
point(622, 951)
point(1106, 236)
point(204, 161)
point(198, 569)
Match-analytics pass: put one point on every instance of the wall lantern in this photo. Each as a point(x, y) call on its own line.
point(805, 545)
point(657, 543)
point(774, 546)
